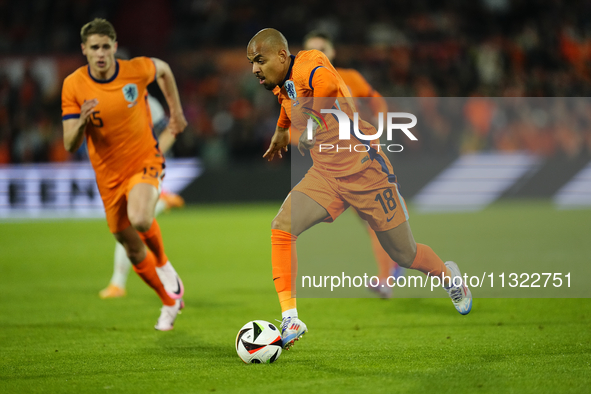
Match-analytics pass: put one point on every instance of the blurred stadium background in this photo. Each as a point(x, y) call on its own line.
point(494, 48)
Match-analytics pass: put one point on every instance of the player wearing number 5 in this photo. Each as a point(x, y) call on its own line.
point(338, 179)
point(105, 102)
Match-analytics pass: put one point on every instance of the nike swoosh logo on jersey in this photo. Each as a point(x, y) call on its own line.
point(391, 217)
point(276, 278)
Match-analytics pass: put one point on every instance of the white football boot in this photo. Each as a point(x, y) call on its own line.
point(382, 289)
point(171, 281)
point(292, 330)
point(168, 315)
point(460, 295)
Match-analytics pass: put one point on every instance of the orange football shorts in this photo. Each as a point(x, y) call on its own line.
point(115, 199)
point(371, 192)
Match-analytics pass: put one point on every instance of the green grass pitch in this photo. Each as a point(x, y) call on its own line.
point(57, 336)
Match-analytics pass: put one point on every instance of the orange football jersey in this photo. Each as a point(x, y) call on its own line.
point(119, 134)
point(310, 77)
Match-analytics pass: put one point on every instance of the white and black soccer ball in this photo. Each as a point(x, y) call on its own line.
point(258, 342)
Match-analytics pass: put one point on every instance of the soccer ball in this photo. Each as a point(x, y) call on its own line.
point(258, 342)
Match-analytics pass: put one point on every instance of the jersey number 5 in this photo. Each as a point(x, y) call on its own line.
point(96, 120)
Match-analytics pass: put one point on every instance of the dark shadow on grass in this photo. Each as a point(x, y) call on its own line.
point(184, 345)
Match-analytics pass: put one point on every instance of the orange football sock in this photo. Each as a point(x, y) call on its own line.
point(153, 240)
point(285, 267)
point(427, 261)
point(146, 269)
point(383, 259)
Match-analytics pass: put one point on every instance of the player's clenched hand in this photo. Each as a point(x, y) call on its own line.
point(279, 144)
point(177, 124)
point(86, 110)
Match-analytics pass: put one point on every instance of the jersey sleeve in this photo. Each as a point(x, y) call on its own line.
point(283, 120)
point(323, 82)
point(325, 86)
point(70, 106)
point(145, 69)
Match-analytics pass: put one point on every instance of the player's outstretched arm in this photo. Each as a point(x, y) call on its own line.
point(279, 143)
point(167, 83)
point(74, 128)
point(166, 140)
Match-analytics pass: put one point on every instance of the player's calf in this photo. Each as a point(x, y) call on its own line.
point(134, 247)
point(399, 244)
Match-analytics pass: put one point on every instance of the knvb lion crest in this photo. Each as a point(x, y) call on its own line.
point(130, 92)
point(290, 89)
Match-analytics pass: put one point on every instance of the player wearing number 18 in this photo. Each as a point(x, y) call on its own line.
point(106, 103)
point(343, 178)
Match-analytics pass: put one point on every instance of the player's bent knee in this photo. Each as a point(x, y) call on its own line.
point(404, 257)
point(142, 226)
point(407, 257)
point(281, 223)
point(405, 260)
point(141, 223)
